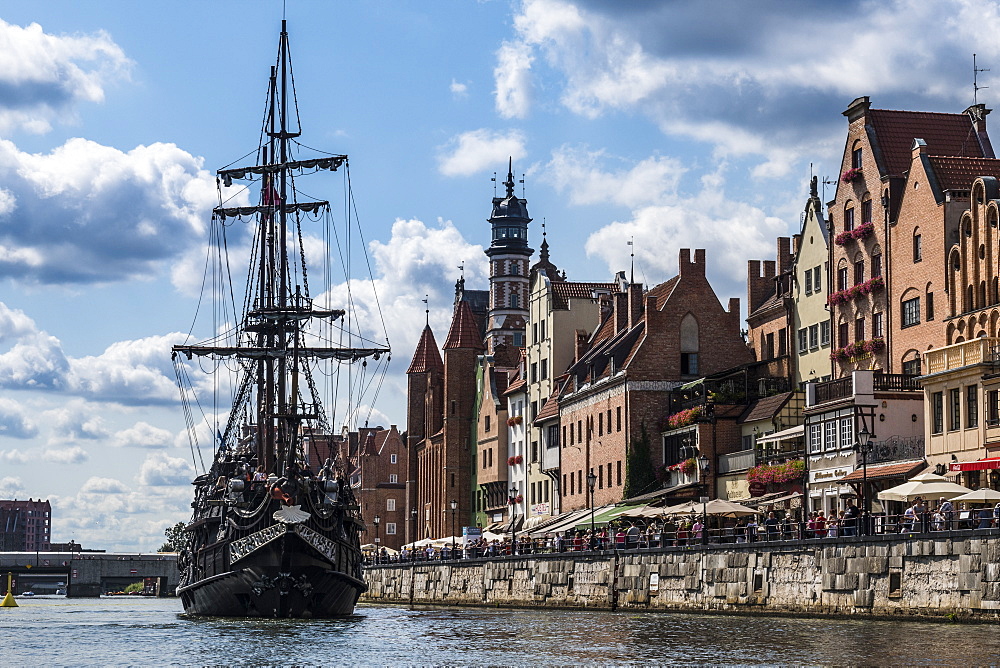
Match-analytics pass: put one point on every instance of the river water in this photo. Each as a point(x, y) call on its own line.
point(55, 631)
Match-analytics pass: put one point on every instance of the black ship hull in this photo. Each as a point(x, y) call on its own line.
point(286, 578)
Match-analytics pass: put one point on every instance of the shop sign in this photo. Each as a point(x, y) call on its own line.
point(828, 475)
point(540, 509)
point(758, 489)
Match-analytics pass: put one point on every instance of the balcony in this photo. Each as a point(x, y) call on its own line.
point(860, 382)
point(736, 462)
point(968, 353)
point(678, 478)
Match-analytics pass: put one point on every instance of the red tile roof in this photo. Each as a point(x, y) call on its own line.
point(959, 173)
point(464, 332)
point(563, 291)
point(662, 291)
point(765, 408)
point(550, 408)
point(426, 356)
point(518, 384)
point(897, 470)
point(945, 134)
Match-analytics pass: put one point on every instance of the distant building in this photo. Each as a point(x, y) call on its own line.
point(810, 317)
point(25, 526)
point(768, 305)
point(378, 476)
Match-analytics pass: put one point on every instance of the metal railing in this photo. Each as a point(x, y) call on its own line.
point(896, 382)
point(737, 461)
point(832, 390)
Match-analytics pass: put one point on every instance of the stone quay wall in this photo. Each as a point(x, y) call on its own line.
point(947, 575)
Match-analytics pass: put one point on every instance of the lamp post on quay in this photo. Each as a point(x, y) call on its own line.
point(703, 467)
point(864, 447)
point(375, 521)
point(513, 527)
point(591, 483)
point(454, 506)
point(413, 520)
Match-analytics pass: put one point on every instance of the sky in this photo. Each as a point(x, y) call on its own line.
point(676, 124)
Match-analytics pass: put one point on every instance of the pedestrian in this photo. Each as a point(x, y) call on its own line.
point(948, 510)
point(849, 526)
point(771, 526)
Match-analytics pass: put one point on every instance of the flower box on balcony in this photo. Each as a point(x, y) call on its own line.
point(514, 420)
point(842, 238)
point(863, 231)
point(684, 418)
point(851, 175)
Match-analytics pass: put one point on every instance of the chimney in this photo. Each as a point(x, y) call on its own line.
point(857, 109)
point(580, 347)
point(918, 148)
point(621, 311)
point(634, 304)
point(759, 287)
point(784, 254)
point(796, 244)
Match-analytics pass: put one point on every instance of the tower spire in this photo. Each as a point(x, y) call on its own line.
point(510, 176)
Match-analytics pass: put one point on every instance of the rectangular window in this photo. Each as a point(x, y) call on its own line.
point(534, 451)
point(859, 272)
point(830, 435)
point(813, 337)
point(579, 431)
point(600, 423)
point(849, 219)
point(392, 459)
point(609, 420)
point(390, 504)
point(545, 369)
point(782, 342)
point(911, 312)
point(689, 364)
point(859, 329)
point(856, 158)
point(534, 372)
point(842, 278)
point(600, 477)
point(619, 472)
point(824, 333)
point(803, 341)
point(564, 488)
point(876, 325)
point(911, 367)
point(876, 265)
point(393, 478)
point(815, 438)
point(564, 434)
point(390, 528)
point(993, 408)
point(842, 333)
point(917, 251)
point(817, 280)
point(954, 409)
point(930, 305)
point(618, 418)
point(971, 407)
point(543, 330)
point(534, 333)
point(809, 281)
point(846, 433)
point(572, 484)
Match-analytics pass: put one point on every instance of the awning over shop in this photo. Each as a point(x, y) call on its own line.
point(565, 521)
point(986, 464)
point(602, 518)
point(783, 435)
point(884, 471)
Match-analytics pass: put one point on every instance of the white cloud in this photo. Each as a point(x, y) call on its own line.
point(142, 435)
point(577, 172)
point(43, 77)
point(77, 420)
point(90, 213)
point(15, 456)
point(160, 470)
point(480, 150)
point(15, 421)
point(98, 485)
point(71, 455)
point(11, 488)
point(458, 89)
point(513, 79)
point(130, 372)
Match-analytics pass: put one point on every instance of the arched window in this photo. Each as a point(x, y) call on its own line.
point(866, 208)
point(849, 216)
point(856, 155)
point(918, 253)
point(690, 345)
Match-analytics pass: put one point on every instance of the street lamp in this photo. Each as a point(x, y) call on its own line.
point(375, 521)
point(704, 520)
point(864, 446)
point(591, 483)
point(513, 526)
point(454, 506)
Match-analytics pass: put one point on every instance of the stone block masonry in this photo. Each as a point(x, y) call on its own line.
point(932, 576)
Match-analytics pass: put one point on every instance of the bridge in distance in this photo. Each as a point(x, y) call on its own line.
point(87, 573)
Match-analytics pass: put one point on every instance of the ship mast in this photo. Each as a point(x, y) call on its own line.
point(276, 316)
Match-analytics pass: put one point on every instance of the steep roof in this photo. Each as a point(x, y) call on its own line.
point(426, 357)
point(663, 291)
point(945, 134)
point(464, 332)
point(563, 291)
point(765, 408)
point(959, 173)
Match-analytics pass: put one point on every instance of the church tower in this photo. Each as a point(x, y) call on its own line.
point(509, 269)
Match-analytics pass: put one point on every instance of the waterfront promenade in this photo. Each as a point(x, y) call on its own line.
point(953, 574)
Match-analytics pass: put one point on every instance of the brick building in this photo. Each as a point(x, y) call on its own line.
point(768, 310)
point(25, 526)
point(378, 476)
point(872, 187)
point(649, 342)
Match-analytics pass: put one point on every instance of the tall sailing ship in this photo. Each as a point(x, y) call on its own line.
point(272, 535)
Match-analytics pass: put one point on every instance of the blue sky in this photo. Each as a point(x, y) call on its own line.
point(679, 124)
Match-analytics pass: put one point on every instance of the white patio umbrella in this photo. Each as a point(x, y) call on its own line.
point(927, 485)
point(984, 495)
point(718, 507)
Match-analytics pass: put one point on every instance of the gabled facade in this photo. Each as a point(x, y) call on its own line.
point(872, 186)
point(617, 391)
point(810, 318)
point(378, 473)
point(768, 301)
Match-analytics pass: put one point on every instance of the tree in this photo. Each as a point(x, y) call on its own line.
point(639, 475)
point(177, 538)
